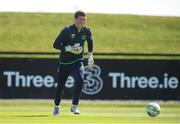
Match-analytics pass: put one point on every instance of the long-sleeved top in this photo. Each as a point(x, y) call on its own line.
point(70, 35)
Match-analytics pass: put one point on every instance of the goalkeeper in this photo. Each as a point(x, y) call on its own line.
point(71, 43)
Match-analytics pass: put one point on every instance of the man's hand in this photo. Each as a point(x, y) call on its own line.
point(68, 49)
point(90, 60)
point(73, 49)
point(77, 50)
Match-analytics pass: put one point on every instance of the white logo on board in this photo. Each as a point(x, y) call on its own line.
point(93, 83)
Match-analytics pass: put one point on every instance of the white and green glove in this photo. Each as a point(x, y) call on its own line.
point(76, 49)
point(90, 60)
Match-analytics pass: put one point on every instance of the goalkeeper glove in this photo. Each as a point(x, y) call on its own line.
point(73, 49)
point(90, 60)
point(77, 50)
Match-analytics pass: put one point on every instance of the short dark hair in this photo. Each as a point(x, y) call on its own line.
point(79, 13)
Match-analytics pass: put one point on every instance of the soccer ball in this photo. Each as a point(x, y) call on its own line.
point(153, 109)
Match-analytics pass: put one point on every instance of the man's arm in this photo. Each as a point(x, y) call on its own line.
point(90, 41)
point(58, 42)
point(90, 50)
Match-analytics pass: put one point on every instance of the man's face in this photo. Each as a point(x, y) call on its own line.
point(80, 21)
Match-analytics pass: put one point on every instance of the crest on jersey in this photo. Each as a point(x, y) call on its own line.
point(83, 37)
point(72, 36)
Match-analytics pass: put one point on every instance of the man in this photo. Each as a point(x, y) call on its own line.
point(71, 43)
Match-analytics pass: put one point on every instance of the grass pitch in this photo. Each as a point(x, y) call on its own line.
point(92, 112)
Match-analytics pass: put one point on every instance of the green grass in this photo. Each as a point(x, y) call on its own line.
point(92, 112)
point(112, 33)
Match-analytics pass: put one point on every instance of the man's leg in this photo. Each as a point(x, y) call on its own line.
point(78, 74)
point(63, 74)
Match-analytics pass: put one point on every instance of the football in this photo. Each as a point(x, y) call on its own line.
point(153, 109)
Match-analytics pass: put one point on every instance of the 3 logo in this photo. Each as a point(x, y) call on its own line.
point(93, 83)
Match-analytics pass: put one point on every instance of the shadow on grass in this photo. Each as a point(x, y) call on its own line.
point(31, 116)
